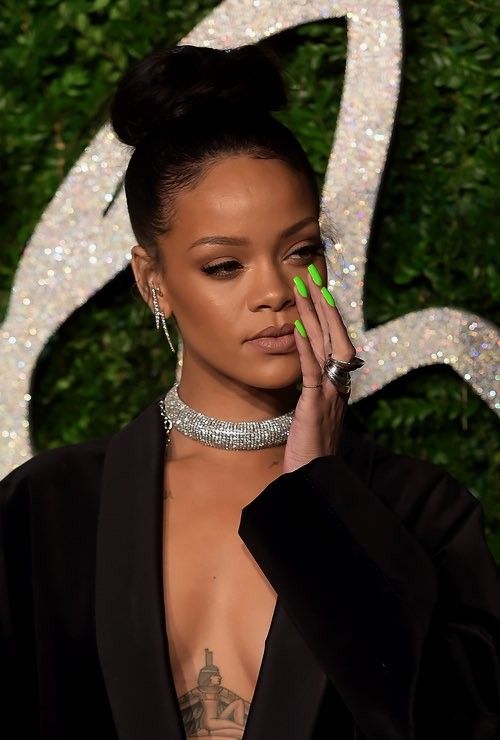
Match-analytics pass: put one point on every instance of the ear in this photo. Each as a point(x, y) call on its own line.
point(145, 274)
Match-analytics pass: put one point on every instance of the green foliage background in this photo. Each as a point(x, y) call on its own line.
point(434, 237)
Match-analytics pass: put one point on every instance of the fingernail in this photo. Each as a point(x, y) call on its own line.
point(301, 286)
point(300, 328)
point(313, 272)
point(328, 296)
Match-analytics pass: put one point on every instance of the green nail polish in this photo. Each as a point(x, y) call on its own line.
point(301, 286)
point(328, 296)
point(313, 272)
point(300, 328)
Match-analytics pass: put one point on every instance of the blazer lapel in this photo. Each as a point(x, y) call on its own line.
point(366, 638)
point(290, 686)
point(130, 617)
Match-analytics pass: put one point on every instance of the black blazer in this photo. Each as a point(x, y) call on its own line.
point(386, 627)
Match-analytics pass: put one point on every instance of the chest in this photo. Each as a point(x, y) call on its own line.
point(218, 603)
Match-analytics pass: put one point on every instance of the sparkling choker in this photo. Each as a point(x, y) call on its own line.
point(228, 435)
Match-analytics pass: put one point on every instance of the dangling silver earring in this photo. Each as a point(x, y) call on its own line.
point(160, 315)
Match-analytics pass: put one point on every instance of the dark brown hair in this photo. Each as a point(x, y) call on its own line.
point(185, 107)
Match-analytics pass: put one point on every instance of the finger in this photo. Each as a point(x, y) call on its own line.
point(311, 371)
point(318, 300)
point(342, 347)
point(311, 322)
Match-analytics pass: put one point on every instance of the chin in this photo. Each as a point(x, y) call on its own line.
point(276, 379)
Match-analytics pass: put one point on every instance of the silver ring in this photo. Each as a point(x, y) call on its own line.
point(339, 372)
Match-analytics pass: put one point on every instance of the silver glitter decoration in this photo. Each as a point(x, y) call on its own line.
point(83, 239)
point(228, 435)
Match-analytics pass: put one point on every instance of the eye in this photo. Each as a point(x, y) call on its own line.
point(225, 269)
point(316, 248)
point(220, 269)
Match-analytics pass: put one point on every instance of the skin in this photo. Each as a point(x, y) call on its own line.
point(223, 375)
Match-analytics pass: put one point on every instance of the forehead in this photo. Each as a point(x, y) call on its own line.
point(240, 192)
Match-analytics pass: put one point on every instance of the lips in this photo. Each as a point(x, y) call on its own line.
point(274, 331)
point(275, 345)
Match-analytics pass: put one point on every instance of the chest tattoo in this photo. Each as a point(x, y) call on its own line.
point(210, 708)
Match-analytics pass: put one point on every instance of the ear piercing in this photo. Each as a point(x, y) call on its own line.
point(159, 315)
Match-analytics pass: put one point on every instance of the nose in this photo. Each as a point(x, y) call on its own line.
point(272, 288)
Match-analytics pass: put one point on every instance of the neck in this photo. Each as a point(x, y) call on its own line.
point(185, 450)
point(229, 401)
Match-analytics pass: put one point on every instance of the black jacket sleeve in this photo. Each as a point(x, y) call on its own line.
point(461, 664)
point(389, 573)
point(19, 706)
point(50, 678)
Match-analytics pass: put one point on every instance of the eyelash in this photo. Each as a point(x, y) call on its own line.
point(309, 249)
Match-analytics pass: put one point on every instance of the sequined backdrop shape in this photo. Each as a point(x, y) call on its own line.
point(84, 237)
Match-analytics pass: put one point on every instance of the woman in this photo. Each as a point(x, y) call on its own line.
point(240, 560)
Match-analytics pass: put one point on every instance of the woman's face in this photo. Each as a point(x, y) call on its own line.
point(226, 289)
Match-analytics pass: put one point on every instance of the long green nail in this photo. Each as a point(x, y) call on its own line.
point(313, 272)
point(300, 328)
point(301, 286)
point(328, 296)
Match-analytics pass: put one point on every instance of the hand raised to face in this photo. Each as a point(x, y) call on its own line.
point(319, 413)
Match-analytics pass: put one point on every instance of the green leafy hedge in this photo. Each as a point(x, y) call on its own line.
point(434, 238)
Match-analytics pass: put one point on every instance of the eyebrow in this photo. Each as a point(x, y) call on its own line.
point(243, 242)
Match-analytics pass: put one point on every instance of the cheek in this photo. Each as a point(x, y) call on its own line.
point(209, 313)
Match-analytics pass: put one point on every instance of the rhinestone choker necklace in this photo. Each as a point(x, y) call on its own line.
point(228, 435)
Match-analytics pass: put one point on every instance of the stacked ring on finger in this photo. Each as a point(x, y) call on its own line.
point(338, 372)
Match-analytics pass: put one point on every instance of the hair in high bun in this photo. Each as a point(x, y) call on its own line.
point(183, 108)
point(171, 86)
